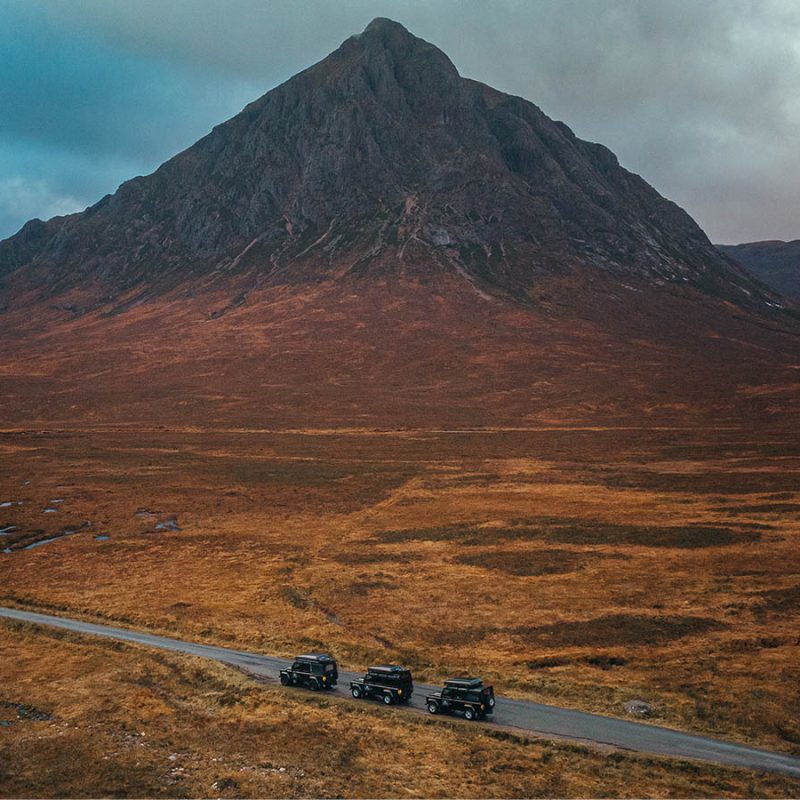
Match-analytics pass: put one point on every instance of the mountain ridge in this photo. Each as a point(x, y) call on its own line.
point(378, 152)
point(774, 262)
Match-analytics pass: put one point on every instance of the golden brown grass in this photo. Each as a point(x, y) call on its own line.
point(579, 567)
point(111, 720)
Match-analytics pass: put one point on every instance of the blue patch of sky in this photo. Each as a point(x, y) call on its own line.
point(79, 117)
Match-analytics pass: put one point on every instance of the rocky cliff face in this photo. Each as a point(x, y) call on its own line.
point(380, 158)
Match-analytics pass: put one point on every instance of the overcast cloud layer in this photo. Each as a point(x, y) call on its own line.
point(700, 97)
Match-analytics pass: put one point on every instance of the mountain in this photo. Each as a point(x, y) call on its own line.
point(775, 263)
point(380, 151)
point(379, 241)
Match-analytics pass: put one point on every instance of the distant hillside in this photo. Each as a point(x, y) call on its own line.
point(775, 263)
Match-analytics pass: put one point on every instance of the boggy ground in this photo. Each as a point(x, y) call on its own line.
point(582, 567)
point(88, 718)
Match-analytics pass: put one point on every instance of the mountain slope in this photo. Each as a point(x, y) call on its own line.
point(380, 242)
point(775, 263)
point(381, 151)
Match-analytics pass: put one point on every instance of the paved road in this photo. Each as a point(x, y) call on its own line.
point(530, 717)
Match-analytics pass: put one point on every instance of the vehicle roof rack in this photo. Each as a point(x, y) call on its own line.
point(315, 657)
point(386, 668)
point(464, 683)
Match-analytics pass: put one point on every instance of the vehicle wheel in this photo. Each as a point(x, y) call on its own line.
point(356, 692)
point(433, 708)
point(388, 699)
point(491, 702)
point(284, 680)
point(469, 713)
point(313, 684)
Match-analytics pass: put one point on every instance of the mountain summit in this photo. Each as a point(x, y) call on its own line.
point(380, 157)
point(381, 242)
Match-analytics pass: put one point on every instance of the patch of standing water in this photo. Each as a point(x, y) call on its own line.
point(47, 541)
point(57, 501)
point(6, 504)
point(103, 537)
point(8, 529)
point(50, 511)
point(60, 535)
point(169, 523)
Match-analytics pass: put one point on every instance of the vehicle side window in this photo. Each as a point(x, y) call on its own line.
point(296, 666)
point(473, 697)
point(317, 669)
point(448, 693)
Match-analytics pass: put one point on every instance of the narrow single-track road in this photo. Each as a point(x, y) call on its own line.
point(524, 715)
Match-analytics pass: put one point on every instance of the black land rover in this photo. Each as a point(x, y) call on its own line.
point(467, 696)
point(390, 684)
point(314, 670)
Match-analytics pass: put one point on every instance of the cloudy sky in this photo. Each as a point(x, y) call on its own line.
point(701, 97)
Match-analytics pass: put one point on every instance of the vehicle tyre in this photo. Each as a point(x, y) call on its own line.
point(313, 684)
point(356, 692)
point(491, 702)
point(433, 708)
point(284, 680)
point(387, 699)
point(469, 713)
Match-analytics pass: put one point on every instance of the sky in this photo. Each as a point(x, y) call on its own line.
point(700, 97)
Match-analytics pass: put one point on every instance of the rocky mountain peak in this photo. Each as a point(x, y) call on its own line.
point(380, 158)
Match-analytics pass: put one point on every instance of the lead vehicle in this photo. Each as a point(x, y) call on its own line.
point(313, 670)
point(467, 696)
point(389, 684)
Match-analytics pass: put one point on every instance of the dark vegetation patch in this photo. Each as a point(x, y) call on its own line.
point(759, 508)
point(606, 662)
point(549, 663)
point(25, 712)
point(532, 563)
point(454, 636)
point(365, 587)
point(568, 530)
point(462, 532)
point(615, 630)
point(679, 536)
point(755, 526)
point(373, 557)
point(294, 597)
point(757, 643)
point(706, 482)
point(779, 601)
